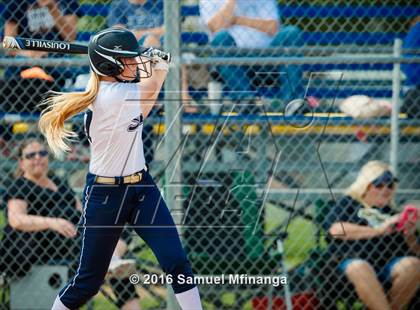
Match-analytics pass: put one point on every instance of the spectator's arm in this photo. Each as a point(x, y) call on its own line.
point(117, 14)
point(158, 32)
point(19, 219)
point(269, 26)
point(10, 28)
point(410, 233)
point(222, 18)
point(412, 243)
point(350, 231)
point(66, 24)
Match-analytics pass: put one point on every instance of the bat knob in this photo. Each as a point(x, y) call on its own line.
point(10, 42)
point(155, 53)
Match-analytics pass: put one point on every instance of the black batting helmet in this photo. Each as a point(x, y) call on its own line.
point(107, 46)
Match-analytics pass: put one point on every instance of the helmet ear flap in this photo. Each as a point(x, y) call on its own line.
point(110, 68)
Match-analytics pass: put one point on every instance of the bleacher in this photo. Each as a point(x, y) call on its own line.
point(373, 80)
point(93, 16)
point(290, 12)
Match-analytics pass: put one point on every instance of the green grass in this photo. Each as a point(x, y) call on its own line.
point(2, 223)
point(2, 219)
point(301, 234)
point(300, 242)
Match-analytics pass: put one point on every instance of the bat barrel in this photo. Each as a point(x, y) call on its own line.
point(44, 45)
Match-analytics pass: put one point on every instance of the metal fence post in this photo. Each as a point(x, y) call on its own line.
point(396, 89)
point(172, 118)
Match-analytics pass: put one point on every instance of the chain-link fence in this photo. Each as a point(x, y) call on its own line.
point(283, 103)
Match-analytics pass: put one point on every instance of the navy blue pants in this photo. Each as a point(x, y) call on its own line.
point(107, 208)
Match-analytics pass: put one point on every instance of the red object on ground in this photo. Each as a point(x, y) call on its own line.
point(301, 301)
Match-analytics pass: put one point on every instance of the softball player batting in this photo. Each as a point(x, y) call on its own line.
point(118, 189)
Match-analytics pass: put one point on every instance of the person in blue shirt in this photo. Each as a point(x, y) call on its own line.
point(411, 104)
point(251, 24)
point(145, 19)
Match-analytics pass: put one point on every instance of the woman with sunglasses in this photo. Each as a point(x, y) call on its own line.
point(42, 214)
point(365, 245)
point(124, 84)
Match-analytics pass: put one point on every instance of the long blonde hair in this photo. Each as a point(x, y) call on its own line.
point(369, 172)
point(62, 106)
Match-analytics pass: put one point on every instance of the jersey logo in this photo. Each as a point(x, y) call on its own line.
point(135, 123)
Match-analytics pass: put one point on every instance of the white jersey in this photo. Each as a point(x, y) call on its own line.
point(113, 125)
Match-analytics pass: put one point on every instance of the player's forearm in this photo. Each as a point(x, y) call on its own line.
point(160, 79)
point(269, 26)
point(30, 223)
point(349, 231)
point(151, 90)
point(222, 19)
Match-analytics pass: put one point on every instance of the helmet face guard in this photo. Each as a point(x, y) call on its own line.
point(139, 68)
point(109, 47)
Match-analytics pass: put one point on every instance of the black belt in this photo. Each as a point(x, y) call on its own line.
point(128, 179)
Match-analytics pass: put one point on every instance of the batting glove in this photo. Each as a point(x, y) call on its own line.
point(157, 55)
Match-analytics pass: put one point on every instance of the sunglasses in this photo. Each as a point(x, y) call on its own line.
point(382, 185)
point(32, 155)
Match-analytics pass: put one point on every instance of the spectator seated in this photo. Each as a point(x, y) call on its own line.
point(328, 279)
point(95, 14)
point(92, 17)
